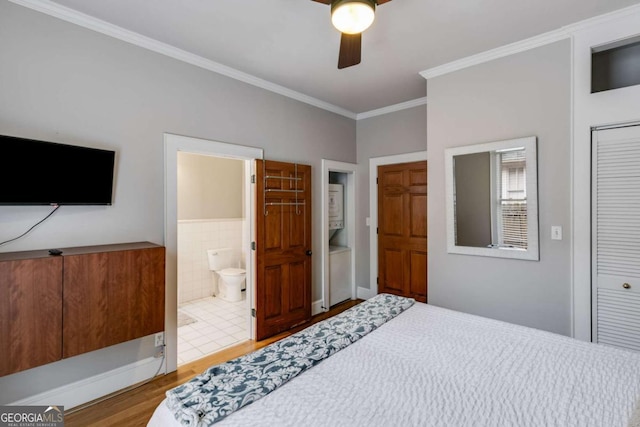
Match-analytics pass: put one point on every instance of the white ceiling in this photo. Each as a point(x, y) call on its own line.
point(293, 44)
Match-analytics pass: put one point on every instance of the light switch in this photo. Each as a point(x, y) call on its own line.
point(556, 232)
point(367, 221)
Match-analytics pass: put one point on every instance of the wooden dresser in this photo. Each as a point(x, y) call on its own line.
point(87, 298)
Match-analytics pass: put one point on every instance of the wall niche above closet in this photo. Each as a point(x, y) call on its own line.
point(615, 65)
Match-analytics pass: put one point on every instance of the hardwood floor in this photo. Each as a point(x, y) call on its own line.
point(135, 406)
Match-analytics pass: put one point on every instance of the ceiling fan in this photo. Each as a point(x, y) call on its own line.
point(351, 18)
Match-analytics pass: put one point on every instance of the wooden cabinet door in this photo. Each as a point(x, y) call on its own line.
point(283, 246)
point(30, 313)
point(402, 229)
point(112, 297)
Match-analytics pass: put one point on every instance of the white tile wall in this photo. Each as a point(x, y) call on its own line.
point(195, 280)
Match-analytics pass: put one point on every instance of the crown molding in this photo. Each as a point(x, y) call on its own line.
point(499, 52)
point(531, 43)
point(392, 108)
point(601, 19)
point(66, 14)
point(61, 12)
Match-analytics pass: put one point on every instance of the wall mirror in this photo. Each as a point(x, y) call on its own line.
point(492, 199)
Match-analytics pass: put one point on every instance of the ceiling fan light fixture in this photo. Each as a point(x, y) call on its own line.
point(352, 16)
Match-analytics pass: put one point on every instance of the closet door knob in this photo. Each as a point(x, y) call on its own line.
point(626, 286)
point(308, 252)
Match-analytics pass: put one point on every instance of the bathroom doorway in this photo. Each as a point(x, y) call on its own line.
point(174, 146)
point(213, 311)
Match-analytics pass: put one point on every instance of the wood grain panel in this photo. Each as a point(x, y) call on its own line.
point(31, 313)
point(418, 218)
point(418, 176)
point(297, 275)
point(392, 177)
point(297, 234)
point(272, 283)
point(112, 297)
point(393, 264)
point(274, 221)
point(418, 281)
point(392, 221)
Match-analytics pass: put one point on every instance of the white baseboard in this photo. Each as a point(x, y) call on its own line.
point(316, 307)
point(88, 389)
point(365, 293)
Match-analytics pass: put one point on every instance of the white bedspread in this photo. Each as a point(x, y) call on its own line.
point(436, 367)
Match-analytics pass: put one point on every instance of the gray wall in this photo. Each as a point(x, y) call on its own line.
point(400, 132)
point(64, 83)
point(210, 187)
point(521, 95)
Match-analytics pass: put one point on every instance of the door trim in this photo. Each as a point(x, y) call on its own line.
point(350, 223)
point(172, 145)
point(374, 162)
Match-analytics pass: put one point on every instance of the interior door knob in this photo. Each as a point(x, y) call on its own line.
point(626, 286)
point(308, 252)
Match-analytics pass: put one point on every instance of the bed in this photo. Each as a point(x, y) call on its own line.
point(429, 366)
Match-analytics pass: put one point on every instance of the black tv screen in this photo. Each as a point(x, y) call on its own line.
point(47, 173)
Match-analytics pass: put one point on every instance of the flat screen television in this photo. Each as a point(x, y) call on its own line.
point(47, 173)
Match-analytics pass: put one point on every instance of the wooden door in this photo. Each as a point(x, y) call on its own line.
point(402, 229)
point(283, 246)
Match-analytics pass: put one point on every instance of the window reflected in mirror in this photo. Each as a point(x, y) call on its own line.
point(511, 203)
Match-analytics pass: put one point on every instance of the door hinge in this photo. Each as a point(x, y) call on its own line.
point(376, 179)
point(253, 179)
point(376, 230)
point(253, 246)
point(377, 280)
point(253, 312)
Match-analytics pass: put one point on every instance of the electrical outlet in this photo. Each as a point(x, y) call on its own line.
point(159, 353)
point(159, 339)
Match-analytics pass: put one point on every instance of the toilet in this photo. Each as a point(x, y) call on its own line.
point(231, 280)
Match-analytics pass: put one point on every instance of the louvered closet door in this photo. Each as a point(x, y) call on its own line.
point(616, 237)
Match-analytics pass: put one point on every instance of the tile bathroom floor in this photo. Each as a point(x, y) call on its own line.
point(217, 324)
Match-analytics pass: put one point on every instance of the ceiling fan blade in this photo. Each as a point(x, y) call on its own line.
point(350, 50)
point(379, 2)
